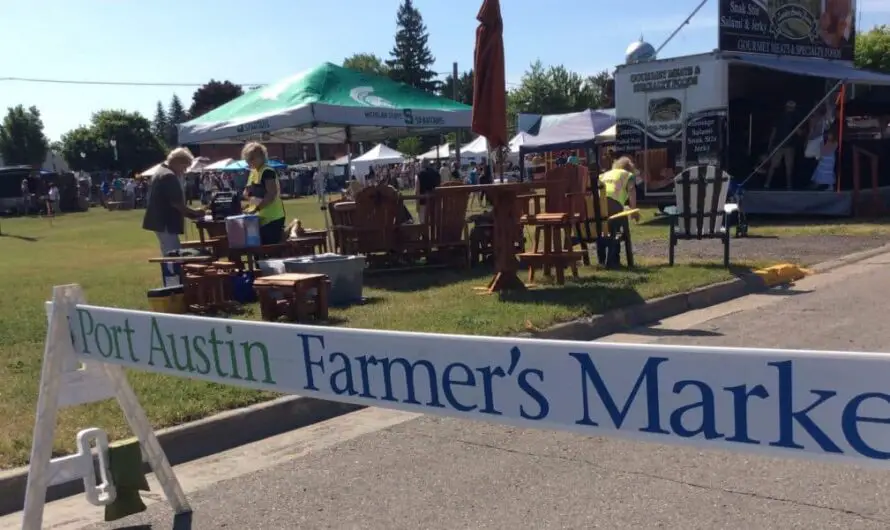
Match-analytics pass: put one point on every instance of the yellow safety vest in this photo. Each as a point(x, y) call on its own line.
point(618, 184)
point(275, 209)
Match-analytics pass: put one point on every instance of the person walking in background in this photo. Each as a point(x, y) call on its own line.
point(26, 196)
point(264, 192)
point(424, 183)
point(485, 177)
point(52, 200)
point(824, 175)
point(318, 183)
point(166, 210)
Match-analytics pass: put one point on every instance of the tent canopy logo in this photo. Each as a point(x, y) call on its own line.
point(365, 96)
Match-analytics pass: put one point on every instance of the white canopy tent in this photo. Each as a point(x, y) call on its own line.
point(478, 147)
point(380, 154)
point(152, 171)
point(219, 164)
point(607, 136)
point(443, 151)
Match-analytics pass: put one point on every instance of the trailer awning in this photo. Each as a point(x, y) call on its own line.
point(813, 67)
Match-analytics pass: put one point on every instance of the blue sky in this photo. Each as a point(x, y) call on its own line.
point(192, 41)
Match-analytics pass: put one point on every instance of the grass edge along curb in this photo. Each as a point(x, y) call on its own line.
point(650, 311)
point(197, 439)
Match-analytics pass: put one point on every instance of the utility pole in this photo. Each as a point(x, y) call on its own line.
point(454, 96)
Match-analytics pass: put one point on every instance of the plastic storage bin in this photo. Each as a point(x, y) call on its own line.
point(269, 267)
point(167, 300)
point(243, 231)
point(345, 272)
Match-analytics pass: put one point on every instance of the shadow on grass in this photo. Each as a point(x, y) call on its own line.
point(29, 239)
point(737, 270)
point(589, 295)
point(422, 279)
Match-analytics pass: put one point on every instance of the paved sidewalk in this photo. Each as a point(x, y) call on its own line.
point(434, 473)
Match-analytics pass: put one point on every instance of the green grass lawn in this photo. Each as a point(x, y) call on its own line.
point(107, 252)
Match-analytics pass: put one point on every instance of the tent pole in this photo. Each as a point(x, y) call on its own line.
point(324, 192)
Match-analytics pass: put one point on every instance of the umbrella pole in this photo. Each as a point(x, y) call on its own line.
point(324, 193)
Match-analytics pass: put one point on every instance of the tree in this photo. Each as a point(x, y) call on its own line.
point(22, 141)
point(557, 90)
point(212, 95)
point(409, 146)
point(411, 56)
point(175, 115)
point(464, 87)
point(601, 90)
point(136, 146)
point(366, 63)
point(159, 123)
point(873, 49)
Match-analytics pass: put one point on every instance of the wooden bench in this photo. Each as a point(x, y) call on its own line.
point(291, 296)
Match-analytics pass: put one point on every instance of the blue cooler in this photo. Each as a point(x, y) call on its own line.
point(345, 272)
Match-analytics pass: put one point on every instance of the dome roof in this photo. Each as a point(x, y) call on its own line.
point(639, 51)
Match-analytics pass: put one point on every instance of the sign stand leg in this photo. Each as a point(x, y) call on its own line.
point(57, 335)
point(151, 448)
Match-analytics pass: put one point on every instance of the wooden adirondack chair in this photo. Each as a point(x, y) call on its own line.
point(341, 214)
point(700, 214)
point(446, 217)
point(374, 222)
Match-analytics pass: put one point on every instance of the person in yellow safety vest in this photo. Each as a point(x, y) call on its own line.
point(620, 183)
point(264, 193)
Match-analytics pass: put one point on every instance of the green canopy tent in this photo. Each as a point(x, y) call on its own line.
point(328, 104)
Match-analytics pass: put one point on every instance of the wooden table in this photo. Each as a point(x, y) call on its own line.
point(506, 214)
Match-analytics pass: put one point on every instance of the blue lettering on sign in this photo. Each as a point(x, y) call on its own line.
point(424, 385)
point(467, 388)
point(793, 418)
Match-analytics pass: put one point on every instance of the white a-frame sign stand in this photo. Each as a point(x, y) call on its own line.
point(66, 381)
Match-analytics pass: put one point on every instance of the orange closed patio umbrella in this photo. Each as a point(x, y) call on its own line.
point(489, 83)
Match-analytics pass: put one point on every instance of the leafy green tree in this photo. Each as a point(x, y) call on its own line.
point(873, 49)
point(411, 59)
point(557, 90)
point(366, 63)
point(410, 146)
point(136, 146)
point(464, 87)
point(22, 141)
point(212, 95)
point(175, 115)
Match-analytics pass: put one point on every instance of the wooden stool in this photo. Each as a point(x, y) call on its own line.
point(202, 292)
point(556, 252)
point(288, 295)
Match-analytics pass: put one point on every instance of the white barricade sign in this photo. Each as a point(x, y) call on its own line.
point(67, 379)
point(811, 404)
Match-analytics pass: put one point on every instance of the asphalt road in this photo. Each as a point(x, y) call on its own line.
point(432, 473)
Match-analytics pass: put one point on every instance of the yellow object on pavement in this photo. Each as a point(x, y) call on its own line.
point(782, 273)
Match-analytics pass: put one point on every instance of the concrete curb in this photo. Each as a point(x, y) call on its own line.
point(200, 438)
point(622, 319)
